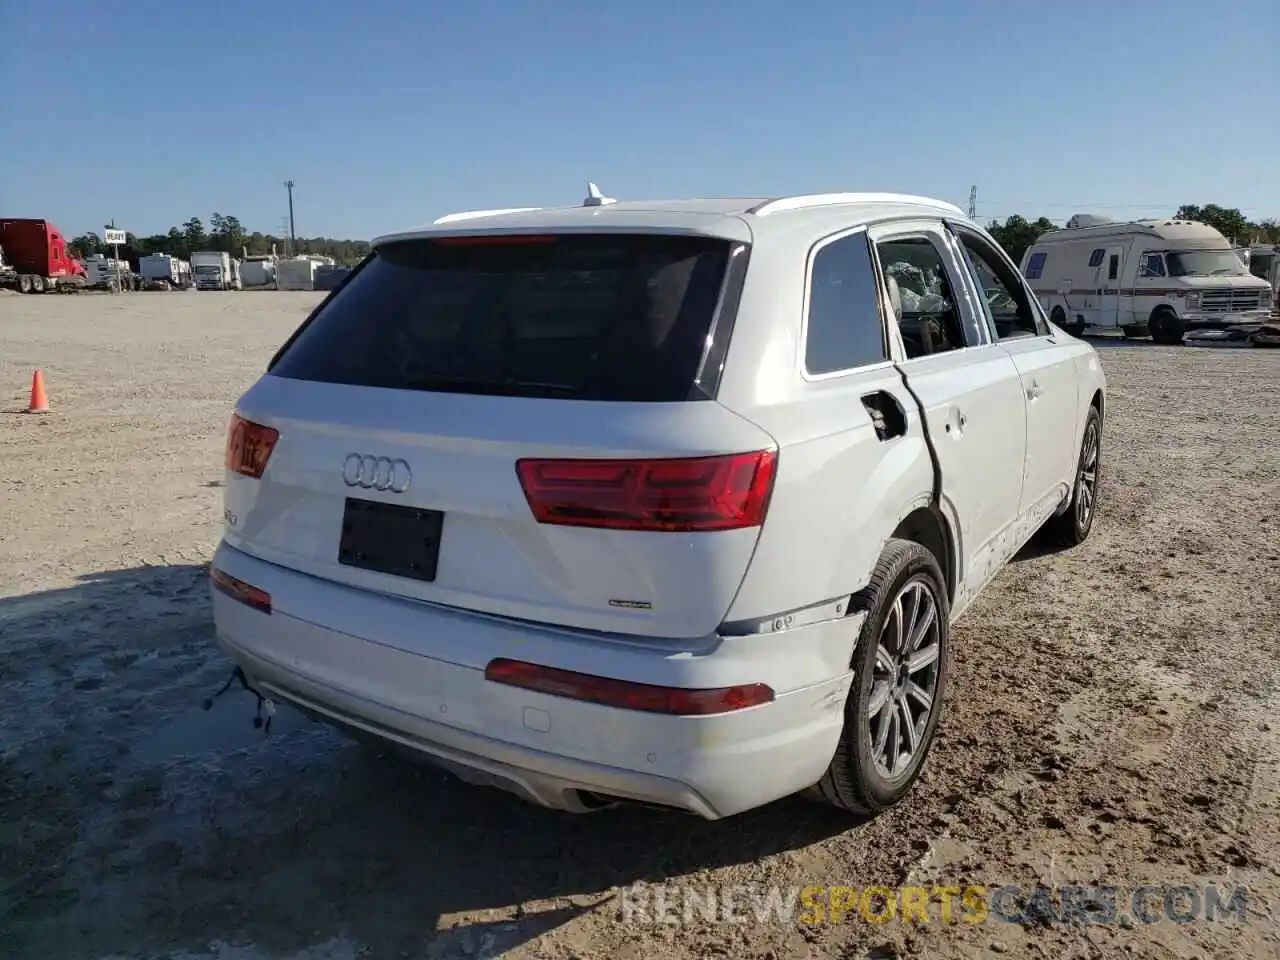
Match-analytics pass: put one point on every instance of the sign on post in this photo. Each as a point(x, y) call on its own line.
point(113, 238)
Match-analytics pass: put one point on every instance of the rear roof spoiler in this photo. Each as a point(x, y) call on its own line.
point(594, 198)
point(475, 214)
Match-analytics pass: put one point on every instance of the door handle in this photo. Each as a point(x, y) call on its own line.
point(1034, 391)
point(887, 416)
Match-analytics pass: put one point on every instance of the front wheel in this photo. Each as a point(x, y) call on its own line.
point(900, 669)
point(1071, 527)
point(1166, 328)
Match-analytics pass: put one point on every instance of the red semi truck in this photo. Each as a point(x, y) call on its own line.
point(34, 258)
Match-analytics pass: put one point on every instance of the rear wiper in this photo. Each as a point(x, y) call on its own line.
point(510, 386)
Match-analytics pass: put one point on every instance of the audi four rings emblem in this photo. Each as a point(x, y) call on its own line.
point(376, 473)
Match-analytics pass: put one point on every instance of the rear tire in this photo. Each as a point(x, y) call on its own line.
point(906, 599)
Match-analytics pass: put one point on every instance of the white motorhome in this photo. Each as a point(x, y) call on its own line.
point(1157, 277)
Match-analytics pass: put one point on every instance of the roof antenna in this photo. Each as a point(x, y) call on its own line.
point(595, 198)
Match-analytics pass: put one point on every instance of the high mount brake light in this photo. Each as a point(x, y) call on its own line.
point(493, 239)
point(645, 697)
point(684, 495)
point(249, 446)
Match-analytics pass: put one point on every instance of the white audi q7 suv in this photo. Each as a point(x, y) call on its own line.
point(660, 502)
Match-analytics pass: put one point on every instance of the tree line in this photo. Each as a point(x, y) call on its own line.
point(1018, 233)
point(1015, 234)
point(223, 233)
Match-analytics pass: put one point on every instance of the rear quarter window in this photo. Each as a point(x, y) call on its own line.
point(844, 329)
point(590, 317)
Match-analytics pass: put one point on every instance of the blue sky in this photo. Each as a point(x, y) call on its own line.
point(388, 114)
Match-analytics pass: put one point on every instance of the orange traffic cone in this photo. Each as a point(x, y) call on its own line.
point(39, 399)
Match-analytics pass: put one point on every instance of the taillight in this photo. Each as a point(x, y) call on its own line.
point(695, 494)
point(645, 697)
point(249, 446)
point(240, 591)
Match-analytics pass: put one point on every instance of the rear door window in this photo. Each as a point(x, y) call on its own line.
point(623, 317)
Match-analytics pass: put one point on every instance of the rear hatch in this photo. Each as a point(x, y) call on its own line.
point(521, 426)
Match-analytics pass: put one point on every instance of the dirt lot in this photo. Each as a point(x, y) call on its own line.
point(1114, 715)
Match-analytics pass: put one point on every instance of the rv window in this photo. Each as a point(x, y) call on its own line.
point(1035, 266)
point(1113, 268)
point(1152, 265)
point(1095, 258)
point(1005, 298)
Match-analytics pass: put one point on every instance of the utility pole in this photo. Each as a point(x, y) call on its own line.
point(973, 203)
point(293, 236)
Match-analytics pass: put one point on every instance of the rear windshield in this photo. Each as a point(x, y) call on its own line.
point(587, 317)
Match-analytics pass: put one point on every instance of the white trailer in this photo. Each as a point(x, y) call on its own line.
point(296, 273)
point(163, 270)
point(1157, 277)
point(258, 272)
point(105, 273)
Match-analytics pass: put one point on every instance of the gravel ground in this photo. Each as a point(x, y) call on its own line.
point(1113, 717)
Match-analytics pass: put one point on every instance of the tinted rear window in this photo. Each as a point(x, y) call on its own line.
point(589, 317)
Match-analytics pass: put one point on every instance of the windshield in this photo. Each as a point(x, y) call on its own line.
point(606, 317)
point(1205, 263)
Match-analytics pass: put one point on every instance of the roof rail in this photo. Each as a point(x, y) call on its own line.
point(805, 201)
point(473, 214)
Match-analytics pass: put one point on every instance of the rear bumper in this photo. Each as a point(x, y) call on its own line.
point(414, 674)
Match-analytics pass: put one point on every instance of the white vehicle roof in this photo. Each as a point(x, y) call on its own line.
point(734, 218)
point(1168, 229)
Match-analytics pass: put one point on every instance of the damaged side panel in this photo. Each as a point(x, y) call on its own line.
point(862, 464)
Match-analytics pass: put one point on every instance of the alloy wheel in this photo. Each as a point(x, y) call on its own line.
point(904, 681)
point(1087, 479)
